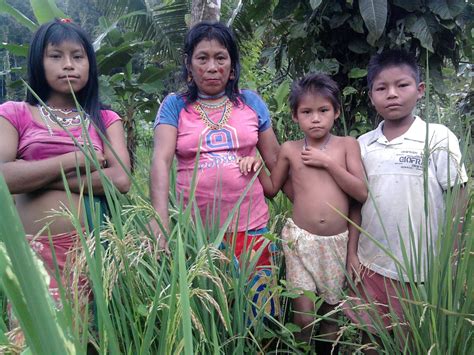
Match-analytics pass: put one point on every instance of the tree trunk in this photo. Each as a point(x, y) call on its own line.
point(205, 10)
point(129, 127)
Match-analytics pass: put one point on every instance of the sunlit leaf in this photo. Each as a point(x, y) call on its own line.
point(420, 29)
point(356, 73)
point(315, 3)
point(20, 50)
point(349, 90)
point(17, 15)
point(46, 10)
point(282, 93)
point(447, 9)
point(374, 13)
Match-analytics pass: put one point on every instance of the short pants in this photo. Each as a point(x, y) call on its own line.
point(379, 300)
point(315, 263)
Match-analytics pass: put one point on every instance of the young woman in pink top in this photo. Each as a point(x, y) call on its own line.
point(222, 123)
point(36, 146)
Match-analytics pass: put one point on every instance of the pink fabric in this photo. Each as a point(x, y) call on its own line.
point(63, 243)
point(379, 301)
point(219, 181)
point(35, 142)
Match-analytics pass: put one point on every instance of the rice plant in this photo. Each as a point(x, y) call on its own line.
point(195, 300)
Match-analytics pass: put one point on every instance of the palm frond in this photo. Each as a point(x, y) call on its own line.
point(163, 24)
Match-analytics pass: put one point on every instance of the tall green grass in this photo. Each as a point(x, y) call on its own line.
point(195, 300)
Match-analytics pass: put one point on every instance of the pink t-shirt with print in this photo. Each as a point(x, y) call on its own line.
point(220, 183)
point(34, 140)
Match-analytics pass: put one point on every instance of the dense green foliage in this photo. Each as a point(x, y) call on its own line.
point(338, 38)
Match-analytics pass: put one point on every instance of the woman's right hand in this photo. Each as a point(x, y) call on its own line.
point(161, 240)
point(165, 137)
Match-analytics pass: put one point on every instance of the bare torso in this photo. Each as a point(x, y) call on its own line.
point(41, 208)
point(316, 194)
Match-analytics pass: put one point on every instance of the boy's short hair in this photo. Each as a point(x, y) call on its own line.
point(391, 58)
point(320, 84)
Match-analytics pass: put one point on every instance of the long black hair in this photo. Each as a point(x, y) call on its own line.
point(56, 32)
point(209, 31)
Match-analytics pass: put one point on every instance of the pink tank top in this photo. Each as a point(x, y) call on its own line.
point(34, 140)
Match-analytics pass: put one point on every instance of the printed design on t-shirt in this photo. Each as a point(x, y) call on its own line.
point(410, 159)
point(218, 147)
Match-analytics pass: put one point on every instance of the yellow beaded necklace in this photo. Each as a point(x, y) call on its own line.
point(210, 123)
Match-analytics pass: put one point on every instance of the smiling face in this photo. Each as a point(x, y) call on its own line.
point(315, 115)
point(63, 63)
point(210, 67)
point(394, 94)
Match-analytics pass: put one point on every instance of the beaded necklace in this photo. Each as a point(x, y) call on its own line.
point(323, 146)
point(210, 123)
point(47, 115)
point(212, 106)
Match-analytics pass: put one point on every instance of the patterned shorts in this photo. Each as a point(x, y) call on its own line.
point(315, 263)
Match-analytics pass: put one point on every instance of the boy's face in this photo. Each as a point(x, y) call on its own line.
point(394, 93)
point(315, 115)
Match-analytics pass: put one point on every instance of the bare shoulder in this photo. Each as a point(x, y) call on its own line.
point(289, 147)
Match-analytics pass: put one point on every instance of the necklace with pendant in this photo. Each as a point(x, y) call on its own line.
point(48, 116)
point(222, 121)
point(323, 146)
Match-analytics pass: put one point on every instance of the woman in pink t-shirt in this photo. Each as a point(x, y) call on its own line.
point(36, 143)
point(221, 123)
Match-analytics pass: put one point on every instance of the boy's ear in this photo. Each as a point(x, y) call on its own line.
point(294, 117)
point(337, 114)
point(370, 97)
point(421, 89)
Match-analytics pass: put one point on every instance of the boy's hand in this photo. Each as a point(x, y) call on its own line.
point(249, 164)
point(315, 157)
point(353, 267)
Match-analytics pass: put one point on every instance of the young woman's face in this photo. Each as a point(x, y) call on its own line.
point(210, 67)
point(66, 63)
